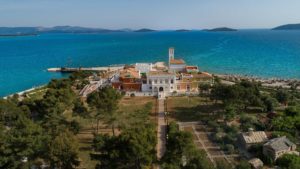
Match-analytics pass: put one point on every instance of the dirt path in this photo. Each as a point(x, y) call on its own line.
point(161, 130)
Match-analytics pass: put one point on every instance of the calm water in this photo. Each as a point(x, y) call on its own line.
point(24, 60)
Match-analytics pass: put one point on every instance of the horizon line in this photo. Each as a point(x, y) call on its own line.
point(96, 27)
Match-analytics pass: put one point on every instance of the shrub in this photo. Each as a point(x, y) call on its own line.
point(229, 148)
point(289, 161)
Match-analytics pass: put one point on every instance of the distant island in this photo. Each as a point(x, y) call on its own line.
point(19, 31)
point(182, 30)
point(288, 27)
point(11, 31)
point(221, 29)
point(145, 30)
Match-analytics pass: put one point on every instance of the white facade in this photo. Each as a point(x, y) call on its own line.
point(177, 67)
point(161, 82)
point(143, 67)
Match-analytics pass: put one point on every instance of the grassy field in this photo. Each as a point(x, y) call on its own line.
point(131, 104)
point(128, 105)
point(37, 93)
point(190, 108)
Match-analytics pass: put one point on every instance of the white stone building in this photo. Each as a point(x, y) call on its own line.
point(160, 82)
point(250, 138)
point(277, 147)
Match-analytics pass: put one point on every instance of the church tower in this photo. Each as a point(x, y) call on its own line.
point(171, 54)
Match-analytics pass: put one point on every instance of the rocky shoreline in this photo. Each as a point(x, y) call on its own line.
point(268, 82)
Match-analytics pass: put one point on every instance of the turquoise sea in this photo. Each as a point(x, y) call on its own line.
point(264, 53)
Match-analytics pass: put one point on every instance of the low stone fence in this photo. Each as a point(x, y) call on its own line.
point(184, 94)
point(139, 94)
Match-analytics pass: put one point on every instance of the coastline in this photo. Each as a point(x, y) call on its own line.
point(17, 35)
point(267, 82)
point(226, 78)
point(24, 91)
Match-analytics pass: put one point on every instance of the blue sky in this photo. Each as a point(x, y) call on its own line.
point(156, 14)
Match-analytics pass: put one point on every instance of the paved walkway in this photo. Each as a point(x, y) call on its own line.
point(161, 130)
point(203, 145)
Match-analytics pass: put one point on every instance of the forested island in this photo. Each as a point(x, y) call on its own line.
point(221, 29)
point(182, 30)
point(145, 30)
point(288, 27)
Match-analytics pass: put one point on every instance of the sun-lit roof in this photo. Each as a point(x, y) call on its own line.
point(177, 61)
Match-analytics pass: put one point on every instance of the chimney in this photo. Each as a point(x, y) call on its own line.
point(251, 131)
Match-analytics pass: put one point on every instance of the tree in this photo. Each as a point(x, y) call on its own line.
point(80, 109)
point(243, 165)
point(105, 102)
point(133, 148)
point(230, 112)
point(198, 161)
point(222, 164)
point(80, 75)
point(289, 161)
point(204, 87)
point(269, 103)
point(24, 140)
point(55, 101)
point(57, 123)
point(283, 124)
point(241, 95)
point(292, 111)
point(282, 96)
point(59, 84)
point(9, 112)
point(63, 151)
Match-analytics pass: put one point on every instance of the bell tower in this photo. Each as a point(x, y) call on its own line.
point(171, 54)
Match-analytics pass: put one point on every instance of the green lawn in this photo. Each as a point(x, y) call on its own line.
point(190, 108)
point(132, 104)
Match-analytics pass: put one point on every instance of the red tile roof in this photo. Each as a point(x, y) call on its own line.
point(177, 61)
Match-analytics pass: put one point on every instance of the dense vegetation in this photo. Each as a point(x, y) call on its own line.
point(244, 98)
point(249, 105)
point(134, 147)
point(42, 130)
point(36, 132)
point(289, 161)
